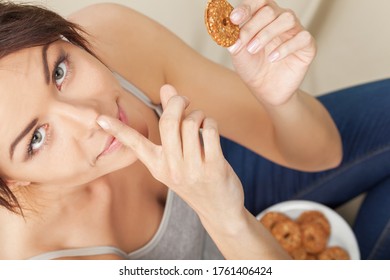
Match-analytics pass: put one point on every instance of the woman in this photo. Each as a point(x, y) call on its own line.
point(78, 192)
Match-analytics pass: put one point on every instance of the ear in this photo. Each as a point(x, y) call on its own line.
point(16, 184)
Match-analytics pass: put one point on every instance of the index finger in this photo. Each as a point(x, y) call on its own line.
point(145, 150)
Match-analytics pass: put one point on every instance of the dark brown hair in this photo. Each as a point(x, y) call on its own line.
point(24, 26)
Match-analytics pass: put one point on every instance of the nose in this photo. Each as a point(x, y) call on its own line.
point(82, 116)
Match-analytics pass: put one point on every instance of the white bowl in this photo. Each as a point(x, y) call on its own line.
point(341, 233)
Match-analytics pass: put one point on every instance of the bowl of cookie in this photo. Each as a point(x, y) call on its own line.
point(310, 231)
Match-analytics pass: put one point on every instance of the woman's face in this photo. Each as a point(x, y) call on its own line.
point(50, 99)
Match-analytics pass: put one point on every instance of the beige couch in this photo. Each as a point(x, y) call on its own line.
point(353, 39)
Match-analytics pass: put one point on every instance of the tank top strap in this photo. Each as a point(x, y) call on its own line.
point(138, 93)
point(79, 252)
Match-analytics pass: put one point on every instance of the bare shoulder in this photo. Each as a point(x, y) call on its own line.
point(110, 17)
point(125, 40)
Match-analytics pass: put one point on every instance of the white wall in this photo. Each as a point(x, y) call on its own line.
point(353, 36)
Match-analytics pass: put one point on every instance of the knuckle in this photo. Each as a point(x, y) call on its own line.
point(178, 100)
point(306, 37)
point(248, 30)
point(265, 35)
point(210, 130)
point(167, 121)
point(176, 176)
point(199, 113)
point(158, 170)
point(190, 122)
point(195, 117)
point(193, 177)
point(269, 11)
point(289, 18)
point(167, 174)
point(215, 169)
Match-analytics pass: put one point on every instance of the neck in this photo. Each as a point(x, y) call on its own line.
point(57, 221)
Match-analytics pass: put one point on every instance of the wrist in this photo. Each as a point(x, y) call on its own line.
point(228, 224)
point(245, 238)
point(272, 102)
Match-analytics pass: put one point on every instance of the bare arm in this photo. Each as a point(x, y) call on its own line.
point(297, 132)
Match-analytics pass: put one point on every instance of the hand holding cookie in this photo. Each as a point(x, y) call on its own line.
point(273, 51)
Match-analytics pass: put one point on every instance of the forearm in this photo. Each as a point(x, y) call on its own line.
point(304, 133)
point(272, 57)
point(245, 238)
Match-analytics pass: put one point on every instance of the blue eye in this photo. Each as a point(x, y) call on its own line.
point(60, 73)
point(38, 139)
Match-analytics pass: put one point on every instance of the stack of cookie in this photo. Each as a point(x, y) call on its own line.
point(305, 238)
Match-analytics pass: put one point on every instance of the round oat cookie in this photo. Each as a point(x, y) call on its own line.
point(314, 216)
point(334, 253)
point(314, 238)
point(219, 26)
point(270, 219)
point(288, 234)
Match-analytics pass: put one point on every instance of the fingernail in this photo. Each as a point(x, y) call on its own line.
point(273, 56)
point(234, 48)
point(236, 16)
point(103, 123)
point(254, 46)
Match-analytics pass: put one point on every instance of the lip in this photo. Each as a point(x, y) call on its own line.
point(112, 144)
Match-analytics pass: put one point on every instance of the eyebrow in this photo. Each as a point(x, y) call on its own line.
point(25, 131)
point(31, 125)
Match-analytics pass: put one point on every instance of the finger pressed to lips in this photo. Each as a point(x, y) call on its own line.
point(142, 147)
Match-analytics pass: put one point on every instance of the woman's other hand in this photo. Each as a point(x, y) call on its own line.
point(273, 52)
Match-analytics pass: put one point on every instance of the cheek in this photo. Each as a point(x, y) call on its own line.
point(64, 166)
point(68, 171)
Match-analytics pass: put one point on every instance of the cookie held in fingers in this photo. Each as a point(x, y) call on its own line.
point(219, 26)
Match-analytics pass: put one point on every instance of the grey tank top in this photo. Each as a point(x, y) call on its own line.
point(180, 235)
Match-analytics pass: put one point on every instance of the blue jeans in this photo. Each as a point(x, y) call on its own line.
point(362, 115)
